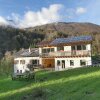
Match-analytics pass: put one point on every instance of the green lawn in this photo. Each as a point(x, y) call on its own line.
point(75, 84)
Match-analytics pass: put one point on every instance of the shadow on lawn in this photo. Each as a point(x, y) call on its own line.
point(69, 90)
point(69, 73)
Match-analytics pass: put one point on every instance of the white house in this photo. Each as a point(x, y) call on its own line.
point(25, 57)
point(65, 53)
point(60, 54)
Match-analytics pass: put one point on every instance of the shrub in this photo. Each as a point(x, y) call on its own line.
point(6, 66)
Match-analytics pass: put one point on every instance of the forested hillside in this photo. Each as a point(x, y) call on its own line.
point(13, 39)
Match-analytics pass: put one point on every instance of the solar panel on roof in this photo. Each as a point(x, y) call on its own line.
point(72, 39)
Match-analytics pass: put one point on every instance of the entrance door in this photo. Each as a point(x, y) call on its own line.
point(63, 63)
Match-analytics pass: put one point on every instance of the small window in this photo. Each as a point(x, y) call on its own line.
point(71, 62)
point(58, 62)
point(22, 61)
point(16, 61)
point(82, 62)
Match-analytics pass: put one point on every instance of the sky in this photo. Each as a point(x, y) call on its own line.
point(30, 13)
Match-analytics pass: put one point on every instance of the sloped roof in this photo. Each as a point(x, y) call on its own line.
point(44, 43)
point(71, 40)
point(34, 52)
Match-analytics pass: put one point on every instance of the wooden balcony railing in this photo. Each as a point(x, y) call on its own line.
point(67, 53)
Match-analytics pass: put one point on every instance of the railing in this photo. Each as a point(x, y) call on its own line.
point(67, 53)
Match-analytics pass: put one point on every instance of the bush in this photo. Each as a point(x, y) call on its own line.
point(6, 66)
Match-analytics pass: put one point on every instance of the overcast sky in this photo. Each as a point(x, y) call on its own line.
point(30, 13)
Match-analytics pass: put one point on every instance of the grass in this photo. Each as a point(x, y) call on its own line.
point(75, 84)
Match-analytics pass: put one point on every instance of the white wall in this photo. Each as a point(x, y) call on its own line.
point(55, 48)
point(88, 47)
point(40, 50)
point(40, 61)
point(67, 48)
point(76, 62)
point(23, 67)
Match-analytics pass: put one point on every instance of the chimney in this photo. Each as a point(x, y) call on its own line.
point(22, 49)
point(29, 49)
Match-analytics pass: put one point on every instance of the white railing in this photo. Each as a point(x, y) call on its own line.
point(67, 53)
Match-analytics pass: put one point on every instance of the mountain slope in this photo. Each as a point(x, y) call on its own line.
point(70, 28)
point(15, 39)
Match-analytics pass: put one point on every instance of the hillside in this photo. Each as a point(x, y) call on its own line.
point(62, 29)
point(15, 39)
point(74, 84)
point(68, 28)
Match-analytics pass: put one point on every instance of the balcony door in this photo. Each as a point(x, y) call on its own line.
point(63, 64)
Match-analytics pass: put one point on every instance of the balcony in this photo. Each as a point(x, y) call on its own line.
point(67, 53)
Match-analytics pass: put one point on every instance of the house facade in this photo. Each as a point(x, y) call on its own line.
point(25, 57)
point(59, 54)
point(66, 53)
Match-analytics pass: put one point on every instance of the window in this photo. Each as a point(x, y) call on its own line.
point(60, 48)
point(79, 47)
point(43, 50)
point(37, 62)
point(71, 62)
point(58, 62)
point(47, 50)
point(34, 62)
point(17, 71)
point(73, 47)
point(22, 61)
point(84, 47)
point(20, 71)
point(63, 63)
point(82, 62)
point(16, 61)
point(52, 49)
